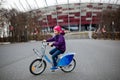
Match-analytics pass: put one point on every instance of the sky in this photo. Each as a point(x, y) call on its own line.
point(25, 5)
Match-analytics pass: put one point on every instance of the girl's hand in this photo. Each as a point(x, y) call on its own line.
point(50, 44)
point(44, 40)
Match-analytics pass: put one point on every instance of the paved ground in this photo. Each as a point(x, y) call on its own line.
point(96, 60)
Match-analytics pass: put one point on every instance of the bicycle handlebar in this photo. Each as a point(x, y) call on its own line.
point(45, 43)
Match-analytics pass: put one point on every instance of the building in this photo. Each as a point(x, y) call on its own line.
point(73, 16)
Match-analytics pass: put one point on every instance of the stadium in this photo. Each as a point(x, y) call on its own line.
point(73, 16)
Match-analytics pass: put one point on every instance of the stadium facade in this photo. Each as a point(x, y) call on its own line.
point(73, 16)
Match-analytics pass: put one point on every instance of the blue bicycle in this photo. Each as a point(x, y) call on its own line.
point(66, 62)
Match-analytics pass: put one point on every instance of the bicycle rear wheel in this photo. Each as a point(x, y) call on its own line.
point(69, 67)
point(37, 67)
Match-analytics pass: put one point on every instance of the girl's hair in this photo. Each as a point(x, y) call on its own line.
point(62, 32)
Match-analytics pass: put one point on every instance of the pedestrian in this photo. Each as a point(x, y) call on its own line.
point(35, 34)
point(104, 32)
point(59, 43)
point(98, 32)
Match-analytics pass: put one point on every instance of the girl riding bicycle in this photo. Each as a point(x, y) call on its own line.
point(59, 43)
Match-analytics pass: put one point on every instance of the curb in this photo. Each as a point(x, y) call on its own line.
point(32, 41)
point(3, 43)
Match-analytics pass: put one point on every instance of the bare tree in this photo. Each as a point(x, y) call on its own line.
point(22, 22)
point(112, 18)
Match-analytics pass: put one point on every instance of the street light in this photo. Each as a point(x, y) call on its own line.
point(113, 29)
point(26, 34)
point(68, 16)
point(112, 22)
point(80, 16)
point(56, 12)
point(90, 26)
point(46, 15)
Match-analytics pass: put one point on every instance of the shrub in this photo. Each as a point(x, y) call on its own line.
point(108, 35)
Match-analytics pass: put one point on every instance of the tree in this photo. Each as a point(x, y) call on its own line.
point(19, 21)
point(110, 17)
point(117, 20)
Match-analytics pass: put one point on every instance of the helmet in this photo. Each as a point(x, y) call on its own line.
point(57, 28)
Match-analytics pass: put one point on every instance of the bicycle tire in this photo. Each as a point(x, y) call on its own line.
point(65, 68)
point(33, 68)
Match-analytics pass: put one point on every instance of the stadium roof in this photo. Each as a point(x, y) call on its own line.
point(26, 5)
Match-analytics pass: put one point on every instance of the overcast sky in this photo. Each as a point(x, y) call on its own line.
point(25, 5)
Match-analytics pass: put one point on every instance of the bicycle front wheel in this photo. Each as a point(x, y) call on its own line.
point(69, 67)
point(37, 67)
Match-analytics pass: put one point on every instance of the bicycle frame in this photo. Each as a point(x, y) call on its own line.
point(41, 54)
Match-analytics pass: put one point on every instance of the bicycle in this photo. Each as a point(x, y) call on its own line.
point(66, 62)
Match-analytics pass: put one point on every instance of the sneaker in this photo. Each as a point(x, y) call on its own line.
point(53, 68)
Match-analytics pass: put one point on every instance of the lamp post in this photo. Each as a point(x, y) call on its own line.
point(57, 12)
point(68, 16)
point(113, 31)
point(26, 34)
point(90, 26)
point(91, 16)
point(46, 15)
point(80, 16)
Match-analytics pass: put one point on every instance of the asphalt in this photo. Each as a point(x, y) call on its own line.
point(96, 60)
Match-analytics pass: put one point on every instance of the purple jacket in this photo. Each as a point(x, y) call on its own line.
point(59, 42)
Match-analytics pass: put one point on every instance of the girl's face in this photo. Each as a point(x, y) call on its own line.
point(56, 32)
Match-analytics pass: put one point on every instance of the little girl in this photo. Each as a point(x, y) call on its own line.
point(59, 43)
